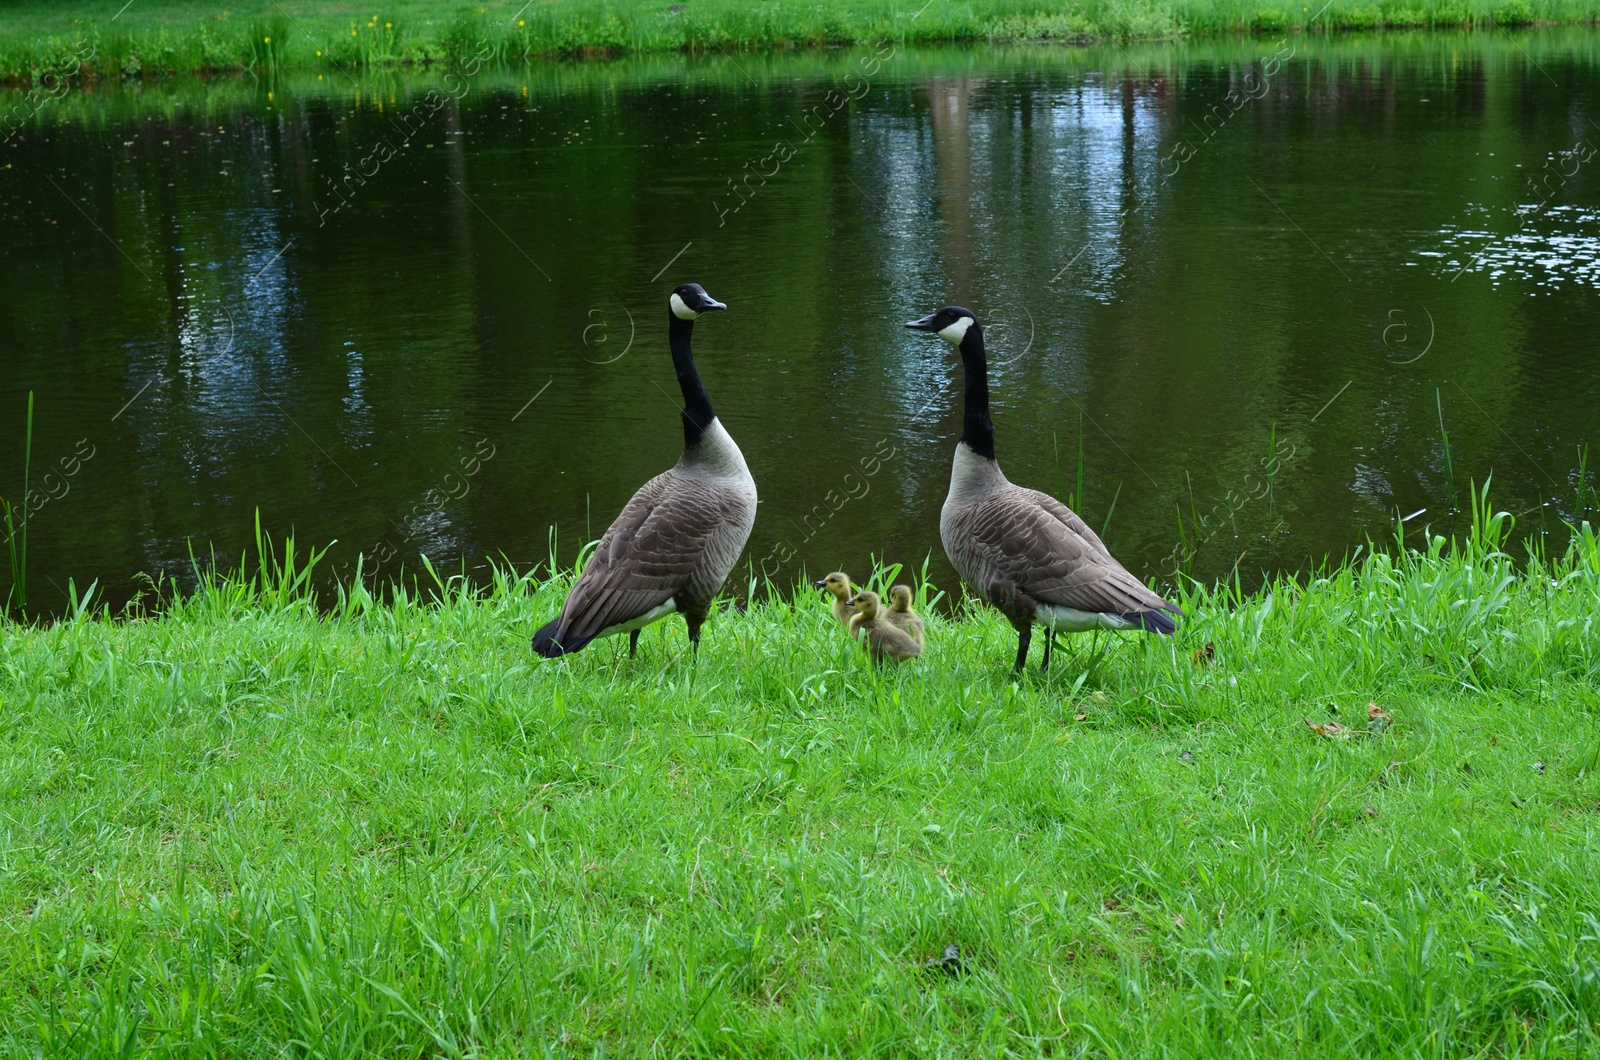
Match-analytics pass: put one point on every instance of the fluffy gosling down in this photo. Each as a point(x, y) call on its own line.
point(837, 585)
point(902, 616)
point(882, 638)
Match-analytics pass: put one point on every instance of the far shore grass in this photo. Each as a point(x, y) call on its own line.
point(1355, 813)
point(40, 39)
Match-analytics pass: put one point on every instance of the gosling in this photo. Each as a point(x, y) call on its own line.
point(837, 585)
point(901, 615)
point(882, 639)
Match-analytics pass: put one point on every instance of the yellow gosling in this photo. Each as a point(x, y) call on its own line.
point(901, 615)
point(837, 585)
point(882, 639)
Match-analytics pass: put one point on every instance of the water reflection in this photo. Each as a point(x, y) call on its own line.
point(1183, 287)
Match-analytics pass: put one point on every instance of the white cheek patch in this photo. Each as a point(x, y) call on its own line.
point(957, 331)
point(680, 309)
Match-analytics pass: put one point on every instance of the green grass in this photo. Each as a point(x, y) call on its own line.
point(1354, 54)
point(251, 826)
point(158, 37)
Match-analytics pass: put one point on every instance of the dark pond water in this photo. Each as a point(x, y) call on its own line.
point(1190, 258)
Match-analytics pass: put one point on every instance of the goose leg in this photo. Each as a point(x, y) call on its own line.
point(633, 644)
point(694, 634)
point(1024, 636)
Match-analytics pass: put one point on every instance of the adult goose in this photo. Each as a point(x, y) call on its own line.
point(679, 537)
point(1021, 550)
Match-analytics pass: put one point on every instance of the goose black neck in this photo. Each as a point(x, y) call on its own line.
point(697, 413)
point(977, 430)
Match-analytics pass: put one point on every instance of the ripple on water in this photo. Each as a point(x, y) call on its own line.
point(1547, 251)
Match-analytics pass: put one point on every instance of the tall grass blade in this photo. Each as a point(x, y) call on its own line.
point(1077, 495)
point(1272, 466)
point(1183, 540)
point(17, 530)
point(1449, 465)
point(1055, 446)
point(1105, 527)
point(1583, 495)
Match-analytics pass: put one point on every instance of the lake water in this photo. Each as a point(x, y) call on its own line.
point(1377, 258)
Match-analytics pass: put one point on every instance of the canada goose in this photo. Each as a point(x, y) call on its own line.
point(1024, 551)
point(837, 585)
point(679, 537)
point(881, 637)
point(901, 615)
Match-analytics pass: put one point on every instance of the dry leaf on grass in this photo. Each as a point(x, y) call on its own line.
point(1331, 729)
point(1378, 722)
point(1378, 719)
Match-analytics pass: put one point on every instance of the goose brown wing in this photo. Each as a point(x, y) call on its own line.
point(665, 537)
point(1044, 550)
point(1071, 520)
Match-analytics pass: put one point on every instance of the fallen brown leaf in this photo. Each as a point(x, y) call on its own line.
point(1330, 729)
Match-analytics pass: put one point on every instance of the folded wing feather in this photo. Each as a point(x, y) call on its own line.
point(665, 543)
point(1041, 547)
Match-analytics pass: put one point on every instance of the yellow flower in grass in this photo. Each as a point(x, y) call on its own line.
point(266, 40)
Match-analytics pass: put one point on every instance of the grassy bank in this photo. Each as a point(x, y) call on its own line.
point(250, 826)
point(157, 37)
point(107, 103)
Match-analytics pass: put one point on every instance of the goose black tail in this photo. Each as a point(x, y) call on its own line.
point(1153, 622)
point(552, 644)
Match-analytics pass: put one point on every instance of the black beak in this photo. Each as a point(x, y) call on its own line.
point(821, 583)
point(925, 324)
point(710, 304)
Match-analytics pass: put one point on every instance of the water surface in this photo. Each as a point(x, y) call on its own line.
point(418, 324)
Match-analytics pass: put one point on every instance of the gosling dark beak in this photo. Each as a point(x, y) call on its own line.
point(925, 324)
point(821, 583)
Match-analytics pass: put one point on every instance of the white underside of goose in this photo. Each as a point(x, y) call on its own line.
point(1071, 620)
point(658, 612)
